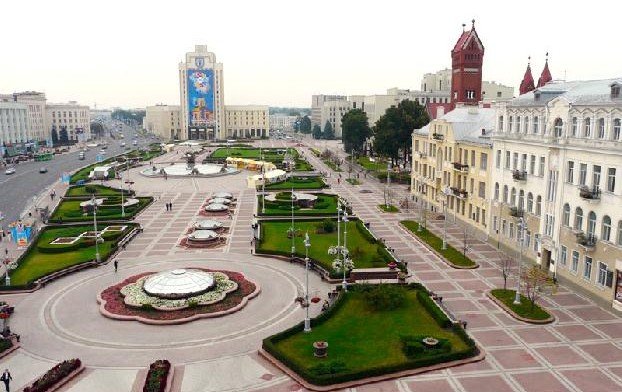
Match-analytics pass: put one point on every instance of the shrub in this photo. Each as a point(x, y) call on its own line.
point(157, 376)
point(333, 367)
point(54, 375)
point(385, 297)
point(439, 316)
point(90, 189)
point(327, 226)
point(413, 346)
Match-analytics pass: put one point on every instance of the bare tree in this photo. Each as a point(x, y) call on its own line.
point(506, 266)
point(536, 282)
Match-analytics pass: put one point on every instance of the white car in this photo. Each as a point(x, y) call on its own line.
point(102, 151)
point(9, 170)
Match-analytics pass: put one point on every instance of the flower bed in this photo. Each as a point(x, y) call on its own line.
point(157, 376)
point(113, 303)
point(53, 376)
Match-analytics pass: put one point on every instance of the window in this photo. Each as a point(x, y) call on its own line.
point(517, 124)
point(587, 268)
point(494, 223)
point(611, 179)
point(578, 219)
point(496, 191)
point(498, 163)
point(515, 162)
point(536, 123)
point(538, 205)
point(602, 273)
point(617, 124)
point(549, 225)
point(574, 267)
point(525, 125)
point(558, 127)
point(505, 193)
point(601, 128)
point(566, 215)
point(529, 202)
point(521, 200)
point(570, 172)
point(527, 238)
point(563, 255)
point(587, 128)
point(541, 167)
point(596, 176)
point(523, 163)
point(511, 233)
point(582, 174)
point(483, 161)
point(473, 158)
point(551, 191)
point(482, 190)
point(504, 227)
point(511, 124)
point(513, 197)
point(619, 239)
point(591, 223)
point(574, 127)
point(606, 231)
point(507, 159)
point(532, 165)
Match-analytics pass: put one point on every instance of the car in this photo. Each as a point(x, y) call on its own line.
point(102, 151)
point(9, 170)
point(43, 169)
point(366, 191)
point(122, 144)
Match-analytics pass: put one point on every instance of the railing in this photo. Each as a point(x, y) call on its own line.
point(463, 167)
point(588, 241)
point(438, 136)
point(461, 193)
point(519, 175)
point(589, 193)
point(516, 212)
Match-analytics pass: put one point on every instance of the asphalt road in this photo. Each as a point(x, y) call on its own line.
point(18, 190)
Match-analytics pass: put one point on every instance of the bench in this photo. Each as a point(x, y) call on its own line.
point(373, 273)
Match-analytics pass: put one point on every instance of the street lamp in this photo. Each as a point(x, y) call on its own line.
point(293, 229)
point(8, 266)
point(307, 320)
point(344, 250)
point(386, 201)
point(521, 227)
point(446, 193)
point(94, 203)
point(421, 211)
point(340, 251)
point(263, 180)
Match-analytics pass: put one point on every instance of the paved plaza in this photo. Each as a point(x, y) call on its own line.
point(580, 351)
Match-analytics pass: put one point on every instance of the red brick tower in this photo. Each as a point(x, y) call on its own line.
point(467, 58)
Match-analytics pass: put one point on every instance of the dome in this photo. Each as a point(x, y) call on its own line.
point(219, 200)
point(208, 224)
point(224, 195)
point(179, 283)
point(203, 235)
point(216, 207)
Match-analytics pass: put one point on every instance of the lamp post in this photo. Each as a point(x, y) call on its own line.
point(293, 230)
point(8, 266)
point(388, 184)
point(307, 320)
point(340, 251)
point(446, 193)
point(344, 250)
point(122, 191)
point(263, 181)
point(421, 211)
point(521, 226)
point(97, 256)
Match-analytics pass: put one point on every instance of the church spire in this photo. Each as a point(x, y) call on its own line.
point(545, 77)
point(527, 84)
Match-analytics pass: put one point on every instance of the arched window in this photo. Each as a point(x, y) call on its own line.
point(587, 127)
point(606, 232)
point(521, 200)
point(505, 193)
point(496, 191)
point(513, 197)
point(601, 128)
point(575, 123)
point(566, 215)
point(617, 124)
point(529, 202)
point(559, 125)
point(619, 240)
point(591, 223)
point(538, 205)
point(578, 219)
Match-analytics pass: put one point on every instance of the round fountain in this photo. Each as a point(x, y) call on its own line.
point(223, 195)
point(220, 200)
point(203, 236)
point(216, 207)
point(185, 170)
point(208, 224)
point(179, 283)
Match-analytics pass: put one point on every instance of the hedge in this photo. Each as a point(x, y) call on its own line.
point(436, 313)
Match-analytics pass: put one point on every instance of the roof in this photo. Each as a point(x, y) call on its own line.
point(527, 84)
point(432, 108)
point(467, 123)
point(545, 77)
point(582, 92)
point(465, 38)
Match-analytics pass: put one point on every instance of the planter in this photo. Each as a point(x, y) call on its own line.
point(320, 349)
point(392, 265)
point(430, 342)
point(315, 300)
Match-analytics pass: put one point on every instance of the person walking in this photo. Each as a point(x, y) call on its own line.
point(170, 205)
point(166, 204)
point(116, 265)
point(6, 378)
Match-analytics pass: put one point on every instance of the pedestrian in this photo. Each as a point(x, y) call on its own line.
point(166, 204)
point(116, 265)
point(6, 378)
point(170, 205)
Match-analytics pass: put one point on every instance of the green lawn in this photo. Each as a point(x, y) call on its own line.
point(332, 165)
point(365, 252)
point(36, 264)
point(70, 210)
point(298, 183)
point(88, 190)
point(524, 309)
point(302, 165)
point(372, 166)
point(324, 205)
point(83, 174)
point(451, 254)
point(269, 154)
point(391, 208)
point(367, 341)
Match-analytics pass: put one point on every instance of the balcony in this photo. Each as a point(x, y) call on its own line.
point(589, 193)
point(438, 136)
point(421, 155)
point(587, 241)
point(519, 175)
point(461, 167)
point(460, 193)
point(516, 212)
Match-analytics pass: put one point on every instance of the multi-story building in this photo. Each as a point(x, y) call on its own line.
point(496, 92)
point(282, 122)
point(37, 119)
point(71, 117)
point(202, 96)
point(558, 154)
point(247, 121)
point(164, 121)
point(13, 124)
point(333, 112)
point(374, 106)
point(450, 163)
point(438, 81)
point(317, 103)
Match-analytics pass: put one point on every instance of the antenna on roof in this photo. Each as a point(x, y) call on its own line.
point(473, 23)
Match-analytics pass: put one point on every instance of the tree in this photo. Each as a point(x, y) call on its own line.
point(506, 266)
point(54, 135)
point(393, 131)
point(537, 281)
point(329, 132)
point(305, 125)
point(354, 130)
point(63, 136)
point(317, 132)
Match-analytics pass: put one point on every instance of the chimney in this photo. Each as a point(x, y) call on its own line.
point(440, 111)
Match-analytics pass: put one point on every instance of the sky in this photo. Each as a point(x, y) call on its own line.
point(278, 53)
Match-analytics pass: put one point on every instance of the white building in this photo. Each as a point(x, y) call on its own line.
point(495, 92)
point(35, 103)
point(247, 121)
point(164, 121)
point(317, 103)
point(13, 123)
point(332, 112)
point(202, 96)
point(101, 114)
point(558, 156)
point(438, 81)
point(282, 122)
point(72, 117)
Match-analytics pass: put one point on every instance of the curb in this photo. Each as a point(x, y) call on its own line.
point(517, 316)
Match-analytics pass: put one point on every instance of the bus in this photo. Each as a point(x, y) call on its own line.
point(43, 156)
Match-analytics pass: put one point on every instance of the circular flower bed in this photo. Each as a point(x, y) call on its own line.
point(128, 301)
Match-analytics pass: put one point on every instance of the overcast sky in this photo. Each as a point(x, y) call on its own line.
point(279, 53)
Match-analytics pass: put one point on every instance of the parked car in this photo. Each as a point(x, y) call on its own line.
point(43, 169)
point(9, 170)
point(102, 151)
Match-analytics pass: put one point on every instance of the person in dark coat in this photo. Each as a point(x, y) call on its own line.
point(6, 378)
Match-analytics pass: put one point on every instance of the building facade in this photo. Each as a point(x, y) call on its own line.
point(202, 96)
point(317, 103)
point(451, 156)
point(437, 81)
point(37, 120)
point(282, 122)
point(164, 121)
point(71, 117)
point(14, 125)
point(333, 112)
point(496, 92)
point(558, 156)
point(247, 121)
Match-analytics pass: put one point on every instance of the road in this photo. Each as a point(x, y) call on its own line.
point(18, 190)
